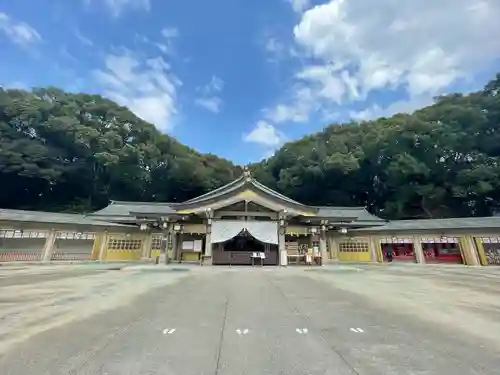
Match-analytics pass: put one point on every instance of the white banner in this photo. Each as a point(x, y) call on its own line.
point(224, 230)
point(198, 245)
point(264, 231)
point(188, 245)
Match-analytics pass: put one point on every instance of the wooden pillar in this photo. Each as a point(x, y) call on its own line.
point(334, 248)
point(103, 246)
point(178, 253)
point(49, 246)
point(470, 251)
point(322, 245)
point(417, 248)
point(174, 245)
point(165, 245)
point(374, 249)
point(480, 250)
point(208, 244)
point(282, 253)
point(146, 245)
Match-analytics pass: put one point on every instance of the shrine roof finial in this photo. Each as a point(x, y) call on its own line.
point(246, 172)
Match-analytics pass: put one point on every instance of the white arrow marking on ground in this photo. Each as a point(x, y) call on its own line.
point(301, 331)
point(357, 330)
point(168, 331)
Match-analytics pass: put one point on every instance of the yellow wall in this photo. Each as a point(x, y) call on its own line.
point(125, 254)
point(190, 256)
point(359, 250)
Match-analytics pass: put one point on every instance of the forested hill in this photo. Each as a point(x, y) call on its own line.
point(441, 161)
point(75, 152)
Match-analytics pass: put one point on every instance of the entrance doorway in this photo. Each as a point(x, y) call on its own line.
point(235, 241)
point(397, 250)
point(244, 242)
point(238, 251)
point(442, 250)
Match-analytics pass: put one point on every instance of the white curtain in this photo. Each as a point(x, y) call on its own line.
point(264, 231)
point(224, 230)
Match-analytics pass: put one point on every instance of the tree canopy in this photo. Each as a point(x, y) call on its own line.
point(440, 161)
point(75, 152)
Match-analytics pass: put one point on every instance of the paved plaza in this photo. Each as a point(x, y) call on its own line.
point(182, 320)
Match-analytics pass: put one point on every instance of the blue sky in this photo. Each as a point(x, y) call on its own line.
point(239, 78)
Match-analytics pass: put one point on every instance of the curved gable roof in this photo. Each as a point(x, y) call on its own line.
point(227, 194)
point(240, 182)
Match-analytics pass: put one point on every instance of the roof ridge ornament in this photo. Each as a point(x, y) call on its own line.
point(246, 173)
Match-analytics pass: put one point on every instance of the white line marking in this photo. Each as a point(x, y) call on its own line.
point(357, 330)
point(169, 331)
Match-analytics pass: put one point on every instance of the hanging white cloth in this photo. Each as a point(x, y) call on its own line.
point(224, 230)
point(264, 231)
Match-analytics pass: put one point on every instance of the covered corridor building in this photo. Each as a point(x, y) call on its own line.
point(241, 223)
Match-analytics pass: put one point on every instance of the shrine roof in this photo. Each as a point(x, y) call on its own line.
point(439, 224)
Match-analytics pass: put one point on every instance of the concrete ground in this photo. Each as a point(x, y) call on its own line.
point(344, 319)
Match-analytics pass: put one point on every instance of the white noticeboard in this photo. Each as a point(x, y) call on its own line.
point(259, 255)
point(188, 245)
point(197, 246)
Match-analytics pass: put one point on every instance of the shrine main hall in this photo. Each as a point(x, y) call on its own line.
point(243, 223)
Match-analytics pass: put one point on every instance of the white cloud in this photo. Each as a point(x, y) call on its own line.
point(117, 7)
point(419, 48)
point(212, 104)
point(82, 38)
point(265, 134)
point(275, 49)
point(425, 45)
point(303, 102)
point(299, 6)
point(63, 50)
point(15, 85)
point(170, 32)
point(401, 106)
point(18, 32)
point(209, 98)
point(146, 87)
